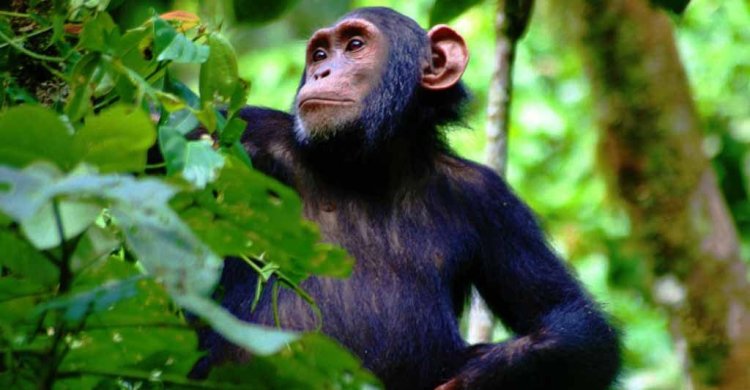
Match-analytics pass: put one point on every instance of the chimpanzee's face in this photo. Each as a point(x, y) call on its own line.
point(344, 64)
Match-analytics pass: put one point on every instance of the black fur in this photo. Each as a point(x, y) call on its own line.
point(424, 225)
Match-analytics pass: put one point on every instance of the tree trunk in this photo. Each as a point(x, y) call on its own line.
point(651, 149)
point(511, 20)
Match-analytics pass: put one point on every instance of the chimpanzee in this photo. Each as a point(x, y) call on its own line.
point(365, 154)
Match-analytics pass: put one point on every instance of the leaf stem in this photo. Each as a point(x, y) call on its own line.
point(66, 275)
point(14, 14)
point(28, 52)
point(27, 36)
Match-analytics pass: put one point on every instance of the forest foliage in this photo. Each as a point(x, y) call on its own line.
point(102, 252)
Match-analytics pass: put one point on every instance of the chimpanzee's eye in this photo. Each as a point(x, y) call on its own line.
point(319, 55)
point(355, 44)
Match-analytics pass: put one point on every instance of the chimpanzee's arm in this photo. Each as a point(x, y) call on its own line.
point(562, 339)
point(268, 140)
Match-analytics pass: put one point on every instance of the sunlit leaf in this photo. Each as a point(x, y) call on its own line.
point(29, 133)
point(202, 163)
point(169, 44)
point(100, 34)
point(164, 245)
point(41, 228)
point(258, 339)
point(116, 140)
point(219, 74)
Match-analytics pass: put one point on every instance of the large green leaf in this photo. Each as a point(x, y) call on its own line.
point(116, 140)
point(41, 228)
point(140, 334)
point(20, 258)
point(314, 362)
point(100, 34)
point(76, 307)
point(29, 133)
point(219, 76)
point(136, 50)
point(246, 212)
point(169, 44)
point(163, 244)
point(258, 339)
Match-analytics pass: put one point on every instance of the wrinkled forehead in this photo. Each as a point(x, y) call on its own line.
point(352, 24)
point(399, 29)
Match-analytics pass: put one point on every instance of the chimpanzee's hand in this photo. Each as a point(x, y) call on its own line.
point(452, 384)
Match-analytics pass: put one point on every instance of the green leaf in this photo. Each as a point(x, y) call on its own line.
point(183, 121)
point(444, 11)
point(172, 45)
point(87, 73)
point(246, 212)
point(676, 6)
point(24, 261)
point(16, 287)
point(219, 75)
point(258, 339)
point(202, 163)
point(100, 34)
point(173, 146)
point(95, 245)
point(233, 131)
point(29, 133)
point(208, 116)
point(116, 140)
point(76, 307)
point(141, 334)
point(30, 204)
point(41, 228)
point(239, 96)
point(136, 50)
point(164, 245)
point(313, 362)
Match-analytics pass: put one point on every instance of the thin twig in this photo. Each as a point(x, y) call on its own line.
point(15, 14)
point(27, 36)
point(28, 52)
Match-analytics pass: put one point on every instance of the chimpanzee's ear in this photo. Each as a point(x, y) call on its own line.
point(449, 58)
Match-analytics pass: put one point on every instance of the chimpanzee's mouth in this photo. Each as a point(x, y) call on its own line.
point(324, 101)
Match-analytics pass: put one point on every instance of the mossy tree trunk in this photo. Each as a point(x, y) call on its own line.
point(651, 149)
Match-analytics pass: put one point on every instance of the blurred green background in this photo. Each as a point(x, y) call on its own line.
point(553, 163)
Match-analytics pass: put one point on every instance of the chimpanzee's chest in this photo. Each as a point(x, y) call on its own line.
point(398, 308)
